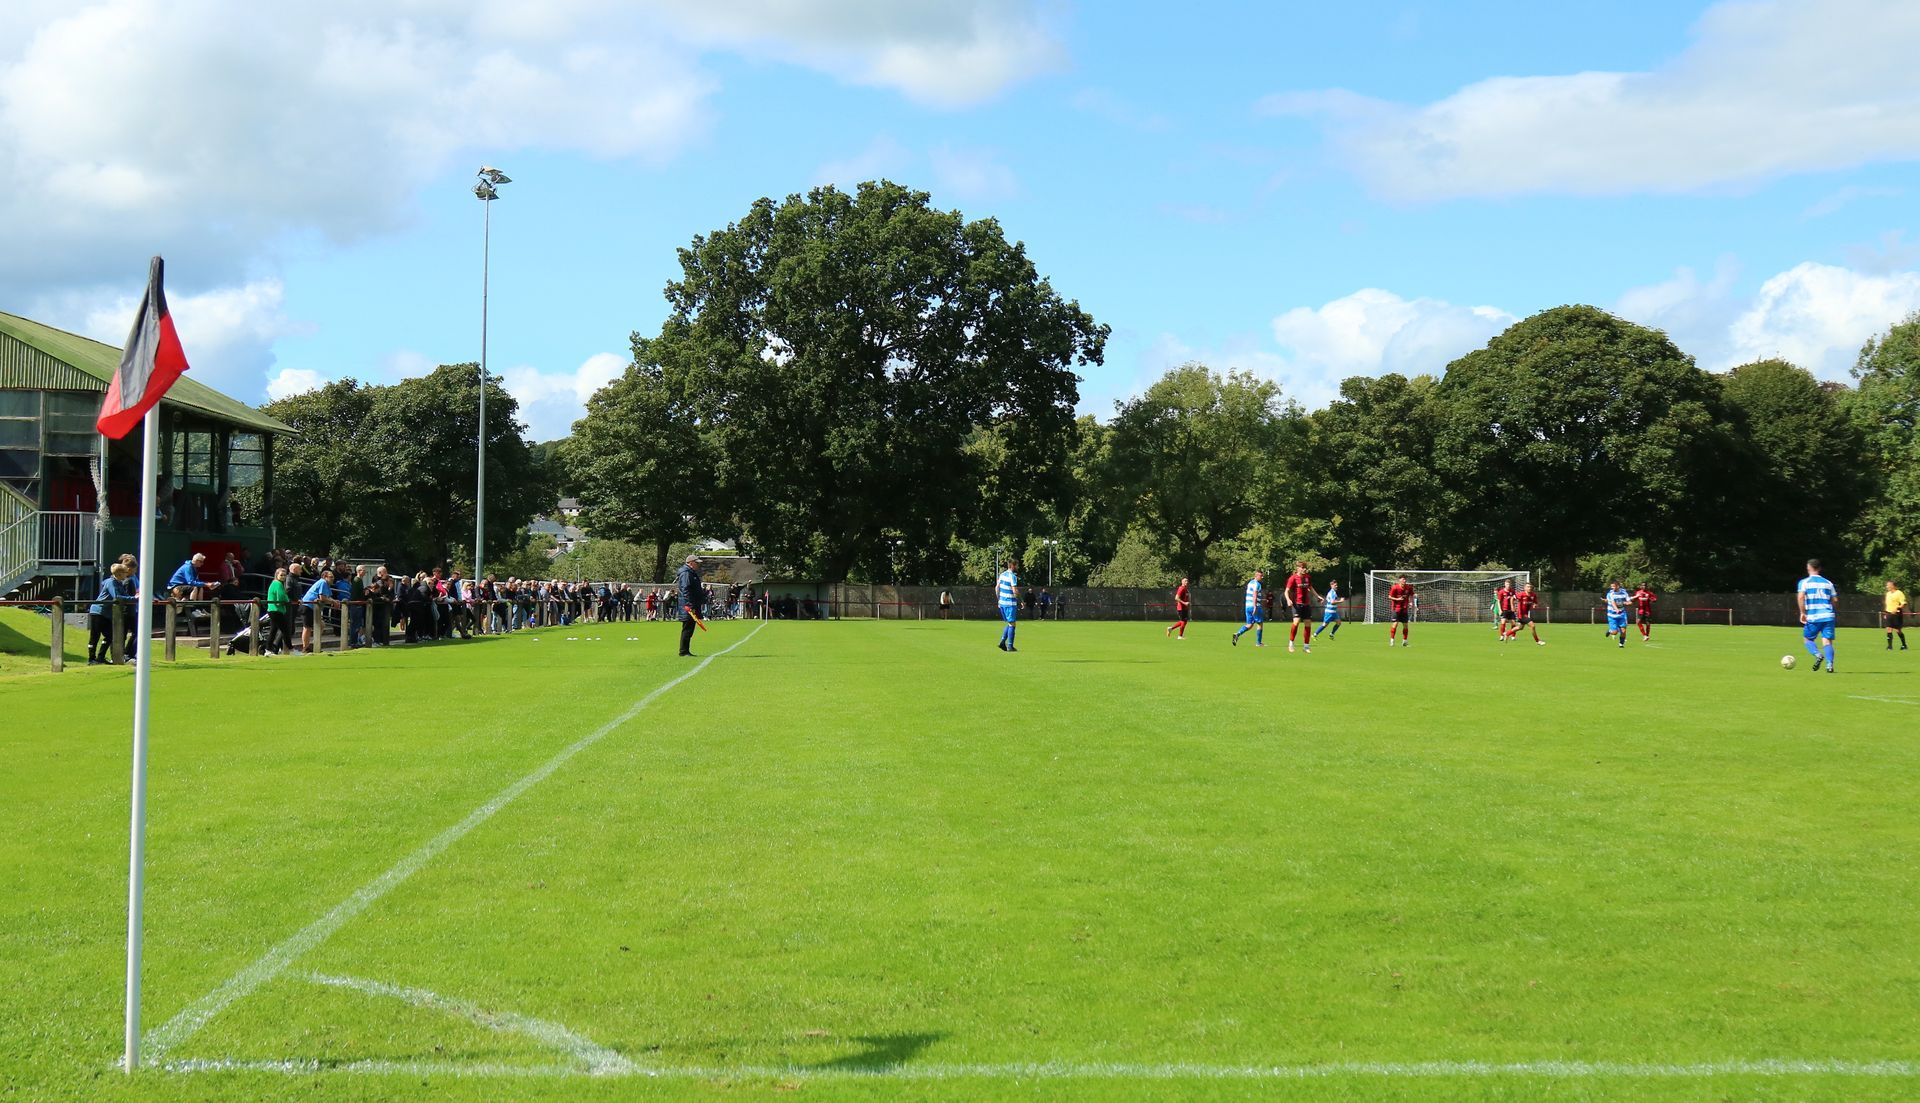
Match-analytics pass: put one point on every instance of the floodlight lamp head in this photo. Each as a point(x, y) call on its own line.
point(493, 175)
point(484, 191)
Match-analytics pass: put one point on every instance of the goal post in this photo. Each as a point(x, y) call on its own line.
point(1444, 597)
point(1706, 615)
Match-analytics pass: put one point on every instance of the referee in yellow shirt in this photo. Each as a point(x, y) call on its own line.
point(1890, 620)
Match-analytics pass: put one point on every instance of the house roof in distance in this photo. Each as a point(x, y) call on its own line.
point(35, 356)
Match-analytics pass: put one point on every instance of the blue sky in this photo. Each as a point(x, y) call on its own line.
point(1305, 191)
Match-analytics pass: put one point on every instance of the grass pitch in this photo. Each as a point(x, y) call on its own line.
point(884, 860)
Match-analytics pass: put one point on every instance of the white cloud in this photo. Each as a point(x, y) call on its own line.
point(1768, 87)
point(325, 120)
point(1372, 332)
point(550, 402)
point(278, 120)
point(288, 382)
point(1694, 312)
point(227, 333)
point(1818, 316)
point(947, 53)
point(1815, 315)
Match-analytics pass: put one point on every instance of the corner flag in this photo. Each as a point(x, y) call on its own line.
point(152, 361)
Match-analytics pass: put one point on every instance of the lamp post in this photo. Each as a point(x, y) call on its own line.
point(893, 557)
point(1050, 544)
point(487, 190)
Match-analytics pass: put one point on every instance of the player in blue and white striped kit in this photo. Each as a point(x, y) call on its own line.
point(1330, 618)
point(1256, 611)
point(1008, 592)
point(1616, 599)
point(1816, 615)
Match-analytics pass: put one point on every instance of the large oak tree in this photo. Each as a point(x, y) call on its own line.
point(843, 355)
point(1570, 433)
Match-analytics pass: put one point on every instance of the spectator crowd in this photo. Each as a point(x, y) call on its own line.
point(304, 598)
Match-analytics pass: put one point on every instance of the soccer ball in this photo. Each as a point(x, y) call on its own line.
point(1786, 662)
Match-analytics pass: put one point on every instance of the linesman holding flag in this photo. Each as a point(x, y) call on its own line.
point(693, 602)
point(151, 362)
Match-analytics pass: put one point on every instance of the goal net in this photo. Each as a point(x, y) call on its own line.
point(1447, 597)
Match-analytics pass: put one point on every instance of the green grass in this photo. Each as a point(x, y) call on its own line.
point(26, 643)
point(880, 848)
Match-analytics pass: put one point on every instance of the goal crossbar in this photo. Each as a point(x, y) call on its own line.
point(1444, 596)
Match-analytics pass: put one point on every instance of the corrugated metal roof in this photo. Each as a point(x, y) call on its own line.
point(38, 357)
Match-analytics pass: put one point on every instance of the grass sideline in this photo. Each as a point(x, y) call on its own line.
point(845, 848)
point(26, 641)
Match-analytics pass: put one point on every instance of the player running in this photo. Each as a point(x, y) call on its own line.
point(1008, 591)
point(1182, 609)
point(1524, 604)
point(1891, 619)
point(1299, 597)
point(1331, 617)
point(1400, 599)
point(1256, 616)
point(1643, 600)
point(1617, 598)
point(1816, 615)
point(1503, 597)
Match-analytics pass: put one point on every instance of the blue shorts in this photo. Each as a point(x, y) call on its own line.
point(1332, 615)
point(1616, 622)
point(1255, 616)
point(1817, 629)
point(1009, 613)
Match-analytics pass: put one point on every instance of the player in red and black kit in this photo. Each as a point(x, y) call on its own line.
point(1400, 600)
point(1182, 609)
point(1643, 600)
point(1504, 597)
point(1524, 603)
point(1300, 596)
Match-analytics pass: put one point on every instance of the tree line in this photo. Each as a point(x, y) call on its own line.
point(858, 386)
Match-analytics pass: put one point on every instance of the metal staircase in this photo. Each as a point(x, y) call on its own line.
point(19, 539)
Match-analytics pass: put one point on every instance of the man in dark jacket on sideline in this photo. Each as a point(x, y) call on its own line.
point(693, 601)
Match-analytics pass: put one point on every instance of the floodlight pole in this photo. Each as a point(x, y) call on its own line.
point(1050, 544)
point(486, 191)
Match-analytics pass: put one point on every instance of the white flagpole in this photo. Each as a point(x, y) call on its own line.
point(142, 679)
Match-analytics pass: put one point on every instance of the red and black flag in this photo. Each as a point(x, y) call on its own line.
point(152, 361)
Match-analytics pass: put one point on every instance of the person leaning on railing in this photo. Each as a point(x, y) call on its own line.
point(313, 609)
point(114, 589)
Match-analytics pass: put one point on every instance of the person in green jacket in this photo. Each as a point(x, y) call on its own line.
point(279, 614)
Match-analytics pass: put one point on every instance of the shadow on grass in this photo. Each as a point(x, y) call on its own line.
point(883, 1051)
point(15, 643)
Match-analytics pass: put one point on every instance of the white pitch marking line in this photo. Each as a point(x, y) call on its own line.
point(272, 963)
point(1888, 700)
point(1067, 1070)
point(596, 1059)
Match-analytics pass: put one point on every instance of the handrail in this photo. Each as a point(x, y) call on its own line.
point(20, 502)
point(19, 549)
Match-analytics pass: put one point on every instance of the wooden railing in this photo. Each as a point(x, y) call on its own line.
point(334, 627)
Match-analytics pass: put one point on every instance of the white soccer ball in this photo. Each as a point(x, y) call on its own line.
point(1787, 661)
